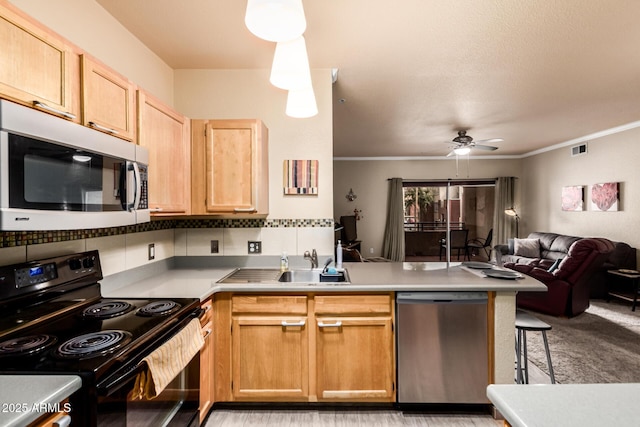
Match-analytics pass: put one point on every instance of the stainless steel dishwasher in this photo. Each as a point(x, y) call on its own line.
point(442, 347)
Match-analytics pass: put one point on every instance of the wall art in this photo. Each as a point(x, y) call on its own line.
point(605, 197)
point(573, 198)
point(300, 177)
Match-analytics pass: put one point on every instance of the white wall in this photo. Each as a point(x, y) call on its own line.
point(612, 158)
point(369, 180)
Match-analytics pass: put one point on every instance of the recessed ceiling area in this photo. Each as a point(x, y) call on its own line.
point(415, 72)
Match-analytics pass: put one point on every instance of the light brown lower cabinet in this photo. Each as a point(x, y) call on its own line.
point(206, 361)
point(54, 419)
point(323, 348)
point(355, 348)
point(270, 352)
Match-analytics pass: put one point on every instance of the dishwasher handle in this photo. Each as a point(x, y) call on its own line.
point(442, 298)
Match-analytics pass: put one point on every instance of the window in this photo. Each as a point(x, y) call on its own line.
point(470, 206)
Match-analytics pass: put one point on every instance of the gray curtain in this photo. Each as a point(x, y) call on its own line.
point(393, 243)
point(504, 225)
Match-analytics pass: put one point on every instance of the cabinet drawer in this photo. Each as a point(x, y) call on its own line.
point(353, 304)
point(208, 312)
point(269, 304)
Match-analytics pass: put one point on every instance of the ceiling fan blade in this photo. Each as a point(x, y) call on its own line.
point(489, 141)
point(485, 147)
point(451, 153)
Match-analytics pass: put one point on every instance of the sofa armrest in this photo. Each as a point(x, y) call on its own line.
point(531, 270)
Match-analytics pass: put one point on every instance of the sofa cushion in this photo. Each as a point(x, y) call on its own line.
point(563, 243)
point(529, 248)
point(546, 239)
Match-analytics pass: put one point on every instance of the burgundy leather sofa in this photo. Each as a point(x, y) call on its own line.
point(568, 285)
point(556, 246)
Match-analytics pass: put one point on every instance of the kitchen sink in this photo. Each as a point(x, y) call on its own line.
point(313, 276)
point(273, 275)
point(296, 276)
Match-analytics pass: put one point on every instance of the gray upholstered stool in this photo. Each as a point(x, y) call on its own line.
point(526, 322)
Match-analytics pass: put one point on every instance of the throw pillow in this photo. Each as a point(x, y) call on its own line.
point(555, 265)
point(529, 248)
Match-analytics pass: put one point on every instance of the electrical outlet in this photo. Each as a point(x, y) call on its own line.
point(214, 247)
point(152, 251)
point(254, 247)
point(370, 250)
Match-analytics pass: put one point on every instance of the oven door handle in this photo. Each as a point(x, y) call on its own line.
point(119, 379)
point(114, 384)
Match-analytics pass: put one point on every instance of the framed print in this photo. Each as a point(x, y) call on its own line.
point(605, 197)
point(300, 177)
point(573, 198)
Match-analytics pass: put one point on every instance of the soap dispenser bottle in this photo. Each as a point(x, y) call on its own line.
point(284, 262)
point(339, 256)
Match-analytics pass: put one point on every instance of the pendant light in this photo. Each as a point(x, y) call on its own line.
point(290, 68)
point(301, 103)
point(275, 20)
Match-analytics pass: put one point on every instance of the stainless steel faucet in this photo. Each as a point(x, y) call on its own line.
point(313, 257)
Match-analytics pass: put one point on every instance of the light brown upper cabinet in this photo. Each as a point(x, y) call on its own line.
point(37, 68)
point(230, 167)
point(166, 134)
point(108, 100)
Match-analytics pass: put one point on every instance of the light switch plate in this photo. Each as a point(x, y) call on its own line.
point(254, 247)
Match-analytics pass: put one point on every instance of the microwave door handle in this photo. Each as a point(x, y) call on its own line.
point(129, 187)
point(122, 186)
point(137, 186)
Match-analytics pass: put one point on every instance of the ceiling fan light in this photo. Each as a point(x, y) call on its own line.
point(275, 20)
point(461, 151)
point(301, 103)
point(290, 67)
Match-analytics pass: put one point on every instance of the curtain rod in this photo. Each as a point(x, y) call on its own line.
point(446, 180)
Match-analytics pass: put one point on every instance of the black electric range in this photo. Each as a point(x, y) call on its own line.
point(55, 321)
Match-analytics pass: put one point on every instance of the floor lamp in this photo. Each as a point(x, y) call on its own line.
point(512, 212)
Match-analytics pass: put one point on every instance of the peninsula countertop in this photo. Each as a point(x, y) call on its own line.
point(364, 277)
point(567, 405)
point(24, 398)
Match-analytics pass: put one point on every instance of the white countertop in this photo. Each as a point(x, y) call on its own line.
point(567, 405)
point(365, 277)
point(24, 398)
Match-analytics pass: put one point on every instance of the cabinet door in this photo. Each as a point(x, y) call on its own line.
point(108, 100)
point(35, 65)
point(354, 358)
point(270, 358)
point(234, 178)
point(206, 371)
point(166, 133)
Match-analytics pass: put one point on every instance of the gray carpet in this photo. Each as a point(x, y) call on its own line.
point(601, 345)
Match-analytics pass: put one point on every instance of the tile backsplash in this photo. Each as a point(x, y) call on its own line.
point(125, 248)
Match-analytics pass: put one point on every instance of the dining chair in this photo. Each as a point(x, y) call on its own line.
point(458, 242)
point(480, 243)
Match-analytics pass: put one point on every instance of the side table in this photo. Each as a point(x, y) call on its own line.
point(632, 278)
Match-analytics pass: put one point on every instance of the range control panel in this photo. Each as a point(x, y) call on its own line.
point(33, 275)
point(24, 278)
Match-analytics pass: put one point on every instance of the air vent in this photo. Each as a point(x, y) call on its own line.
point(579, 150)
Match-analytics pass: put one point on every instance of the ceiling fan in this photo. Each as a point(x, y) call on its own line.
point(464, 143)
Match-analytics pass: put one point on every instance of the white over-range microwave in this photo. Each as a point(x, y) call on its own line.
point(59, 175)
